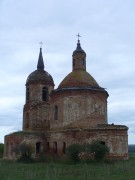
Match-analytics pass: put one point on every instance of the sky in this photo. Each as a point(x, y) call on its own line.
point(107, 29)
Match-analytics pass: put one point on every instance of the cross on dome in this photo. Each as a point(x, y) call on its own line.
point(78, 36)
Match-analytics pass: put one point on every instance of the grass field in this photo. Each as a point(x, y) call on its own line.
point(121, 170)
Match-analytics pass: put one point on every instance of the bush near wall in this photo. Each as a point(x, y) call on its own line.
point(73, 152)
point(96, 150)
point(99, 150)
point(25, 152)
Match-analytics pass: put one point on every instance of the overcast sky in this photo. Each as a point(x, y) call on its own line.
point(107, 28)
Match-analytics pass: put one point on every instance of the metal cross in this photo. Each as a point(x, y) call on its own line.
point(78, 36)
point(41, 43)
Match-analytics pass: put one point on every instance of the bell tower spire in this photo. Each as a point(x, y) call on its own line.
point(40, 64)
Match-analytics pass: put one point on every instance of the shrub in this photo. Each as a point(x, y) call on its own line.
point(100, 150)
point(73, 152)
point(25, 152)
point(96, 150)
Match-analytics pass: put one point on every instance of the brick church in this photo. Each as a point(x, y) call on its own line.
point(75, 112)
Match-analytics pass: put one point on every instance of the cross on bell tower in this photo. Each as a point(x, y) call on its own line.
point(78, 36)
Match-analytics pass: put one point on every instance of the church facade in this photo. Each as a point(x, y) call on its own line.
point(75, 112)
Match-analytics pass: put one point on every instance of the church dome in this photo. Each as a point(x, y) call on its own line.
point(40, 75)
point(79, 78)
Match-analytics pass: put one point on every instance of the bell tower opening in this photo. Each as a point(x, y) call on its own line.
point(45, 94)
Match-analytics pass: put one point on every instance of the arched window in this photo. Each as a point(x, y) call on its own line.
point(27, 94)
point(56, 112)
point(27, 120)
point(45, 94)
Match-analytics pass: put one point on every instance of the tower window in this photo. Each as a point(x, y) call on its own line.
point(83, 62)
point(27, 94)
point(38, 147)
point(45, 94)
point(56, 113)
point(27, 120)
point(55, 147)
point(64, 148)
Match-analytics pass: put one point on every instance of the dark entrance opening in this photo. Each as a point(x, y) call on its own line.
point(38, 147)
point(55, 147)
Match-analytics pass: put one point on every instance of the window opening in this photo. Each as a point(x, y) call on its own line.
point(64, 148)
point(83, 62)
point(47, 146)
point(55, 147)
point(38, 147)
point(45, 94)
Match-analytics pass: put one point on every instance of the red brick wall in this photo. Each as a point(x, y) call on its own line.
point(79, 108)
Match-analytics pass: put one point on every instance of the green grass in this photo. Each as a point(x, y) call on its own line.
point(120, 170)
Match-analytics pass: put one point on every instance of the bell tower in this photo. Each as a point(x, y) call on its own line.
point(36, 112)
point(79, 57)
